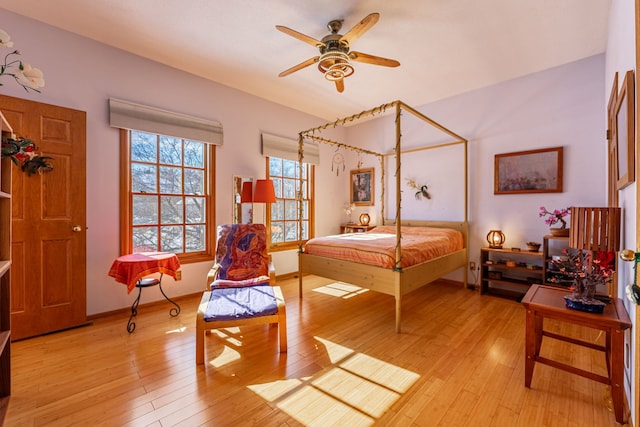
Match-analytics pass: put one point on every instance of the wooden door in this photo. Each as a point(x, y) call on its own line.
point(48, 276)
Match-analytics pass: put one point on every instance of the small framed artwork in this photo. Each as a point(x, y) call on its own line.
point(625, 133)
point(533, 171)
point(362, 187)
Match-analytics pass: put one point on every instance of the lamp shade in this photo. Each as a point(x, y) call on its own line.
point(496, 239)
point(247, 192)
point(265, 192)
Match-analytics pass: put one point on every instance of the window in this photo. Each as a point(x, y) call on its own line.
point(167, 205)
point(283, 219)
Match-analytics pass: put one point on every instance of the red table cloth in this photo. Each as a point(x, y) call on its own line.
point(128, 269)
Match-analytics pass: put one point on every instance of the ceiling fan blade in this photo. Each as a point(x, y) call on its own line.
point(371, 59)
point(300, 66)
point(303, 37)
point(360, 28)
point(340, 85)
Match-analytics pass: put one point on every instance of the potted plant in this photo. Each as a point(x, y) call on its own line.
point(554, 217)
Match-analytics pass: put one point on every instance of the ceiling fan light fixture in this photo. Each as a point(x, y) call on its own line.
point(335, 65)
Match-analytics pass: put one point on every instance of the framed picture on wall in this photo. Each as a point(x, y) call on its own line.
point(625, 133)
point(362, 186)
point(533, 171)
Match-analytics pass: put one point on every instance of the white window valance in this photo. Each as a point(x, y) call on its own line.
point(287, 148)
point(127, 115)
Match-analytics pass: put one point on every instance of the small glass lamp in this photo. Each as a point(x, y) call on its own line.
point(496, 239)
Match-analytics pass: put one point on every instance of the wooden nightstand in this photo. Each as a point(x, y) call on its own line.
point(355, 228)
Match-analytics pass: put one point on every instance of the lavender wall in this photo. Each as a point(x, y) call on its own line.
point(563, 106)
point(82, 74)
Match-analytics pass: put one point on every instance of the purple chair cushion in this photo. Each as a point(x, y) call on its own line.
point(241, 303)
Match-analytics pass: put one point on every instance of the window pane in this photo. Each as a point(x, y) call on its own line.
point(277, 186)
point(277, 232)
point(277, 210)
point(289, 168)
point(196, 208)
point(305, 230)
point(291, 210)
point(143, 178)
point(145, 239)
point(289, 188)
point(145, 210)
point(194, 181)
point(195, 238)
point(194, 154)
point(170, 150)
point(170, 180)
point(171, 239)
point(291, 231)
point(275, 166)
point(144, 147)
point(171, 209)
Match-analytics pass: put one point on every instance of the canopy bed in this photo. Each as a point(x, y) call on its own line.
point(400, 273)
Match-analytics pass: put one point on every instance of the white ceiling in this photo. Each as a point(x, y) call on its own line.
point(445, 47)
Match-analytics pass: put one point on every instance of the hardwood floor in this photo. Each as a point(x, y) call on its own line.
point(458, 362)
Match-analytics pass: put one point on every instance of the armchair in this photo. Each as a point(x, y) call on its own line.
point(240, 286)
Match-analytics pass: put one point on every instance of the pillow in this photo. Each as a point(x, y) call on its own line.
point(255, 281)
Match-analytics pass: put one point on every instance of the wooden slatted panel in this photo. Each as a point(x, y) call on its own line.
point(595, 229)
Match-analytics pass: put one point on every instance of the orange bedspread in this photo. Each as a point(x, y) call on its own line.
point(378, 246)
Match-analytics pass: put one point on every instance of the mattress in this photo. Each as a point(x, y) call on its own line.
point(378, 246)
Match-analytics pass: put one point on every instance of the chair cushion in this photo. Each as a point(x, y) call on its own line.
point(240, 303)
point(242, 251)
point(220, 283)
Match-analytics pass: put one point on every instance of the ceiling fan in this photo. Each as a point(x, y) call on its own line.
point(334, 61)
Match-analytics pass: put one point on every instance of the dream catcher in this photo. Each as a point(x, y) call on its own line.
point(337, 161)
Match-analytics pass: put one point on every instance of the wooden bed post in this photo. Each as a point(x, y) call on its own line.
point(398, 192)
point(299, 198)
point(398, 295)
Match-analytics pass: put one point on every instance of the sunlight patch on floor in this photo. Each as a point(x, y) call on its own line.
point(355, 390)
point(227, 356)
point(177, 330)
point(340, 290)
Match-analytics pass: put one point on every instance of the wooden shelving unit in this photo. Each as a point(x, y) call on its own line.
point(5, 275)
point(553, 246)
point(509, 272)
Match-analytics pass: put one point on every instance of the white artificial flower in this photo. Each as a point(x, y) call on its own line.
point(5, 40)
point(31, 77)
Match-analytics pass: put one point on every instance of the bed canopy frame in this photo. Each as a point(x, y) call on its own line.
point(400, 280)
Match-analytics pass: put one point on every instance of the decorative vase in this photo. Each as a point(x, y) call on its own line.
point(559, 232)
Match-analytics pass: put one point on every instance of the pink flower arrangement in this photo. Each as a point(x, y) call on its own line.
point(554, 217)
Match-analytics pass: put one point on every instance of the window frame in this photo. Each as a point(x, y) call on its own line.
point(276, 247)
point(126, 202)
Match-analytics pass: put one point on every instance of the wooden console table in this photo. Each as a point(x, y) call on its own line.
point(547, 302)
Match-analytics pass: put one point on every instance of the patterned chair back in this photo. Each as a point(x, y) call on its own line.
point(241, 251)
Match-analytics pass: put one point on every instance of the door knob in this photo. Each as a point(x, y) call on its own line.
point(77, 228)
